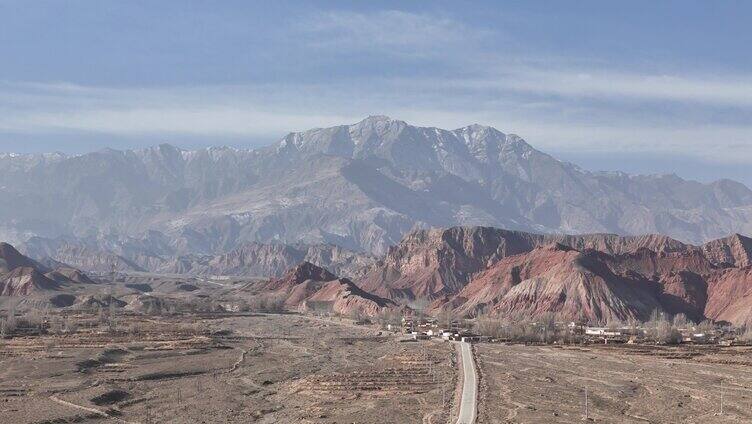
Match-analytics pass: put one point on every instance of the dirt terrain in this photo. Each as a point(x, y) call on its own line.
point(216, 368)
point(625, 384)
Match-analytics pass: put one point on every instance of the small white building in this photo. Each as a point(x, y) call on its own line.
point(602, 331)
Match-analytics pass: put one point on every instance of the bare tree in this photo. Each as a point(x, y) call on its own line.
point(357, 315)
point(6, 328)
point(419, 307)
point(661, 330)
point(266, 303)
point(745, 334)
point(446, 318)
point(70, 325)
point(11, 320)
point(56, 325)
point(112, 312)
point(491, 327)
point(547, 327)
point(681, 321)
point(33, 318)
point(614, 324)
point(388, 316)
point(706, 327)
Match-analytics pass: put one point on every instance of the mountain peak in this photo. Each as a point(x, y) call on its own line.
point(377, 118)
point(308, 271)
point(479, 128)
point(10, 259)
point(379, 121)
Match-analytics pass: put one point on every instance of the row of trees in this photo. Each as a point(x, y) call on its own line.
point(32, 319)
point(659, 328)
point(107, 309)
point(262, 303)
point(544, 330)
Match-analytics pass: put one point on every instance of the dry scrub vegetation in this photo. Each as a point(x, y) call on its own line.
point(220, 367)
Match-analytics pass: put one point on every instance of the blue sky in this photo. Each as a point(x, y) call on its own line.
point(638, 86)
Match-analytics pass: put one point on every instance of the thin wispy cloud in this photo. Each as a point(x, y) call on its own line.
point(388, 29)
point(430, 68)
point(269, 111)
point(732, 90)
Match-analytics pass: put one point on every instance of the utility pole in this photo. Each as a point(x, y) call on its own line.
point(443, 395)
point(587, 415)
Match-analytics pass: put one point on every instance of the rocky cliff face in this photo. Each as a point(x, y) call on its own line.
point(360, 186)
point(22, 276)
point(307, 287)
point(428, 263)
point(581, 286)
point(10, 259)
point(431, 263)
point(599, 277)
point(735, 250)
point(24, 281)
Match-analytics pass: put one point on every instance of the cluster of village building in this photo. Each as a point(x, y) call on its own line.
point(428, 328)
point(425, 328)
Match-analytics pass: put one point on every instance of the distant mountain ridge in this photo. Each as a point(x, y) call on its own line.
point(248, 259)
point(472, 270)
point(360, 186)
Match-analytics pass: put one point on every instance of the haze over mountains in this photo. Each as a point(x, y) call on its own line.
point(360, 187)
point(474, 270)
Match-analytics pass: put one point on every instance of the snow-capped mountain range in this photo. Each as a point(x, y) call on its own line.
point(360, 186)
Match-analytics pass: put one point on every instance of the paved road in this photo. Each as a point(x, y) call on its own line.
point(469, 387)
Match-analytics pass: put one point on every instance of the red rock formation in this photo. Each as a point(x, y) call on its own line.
point(488, 287)
point(598, 276)
point(21, 276)
point(307, 287)
point(684, 292)
point(730, 296)
point(615, 245)
point(653, 264)
point(735, 250)
point(581, 286)
point(69, 275)
point(11, 259)
point(23, 281)
point(345, 298)
point(305, 271)
point(432, 263)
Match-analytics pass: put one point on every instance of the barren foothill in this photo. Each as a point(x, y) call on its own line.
point(266, 368)
point(625, 384)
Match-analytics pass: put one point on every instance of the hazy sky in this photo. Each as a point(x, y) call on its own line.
point(638, 86)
